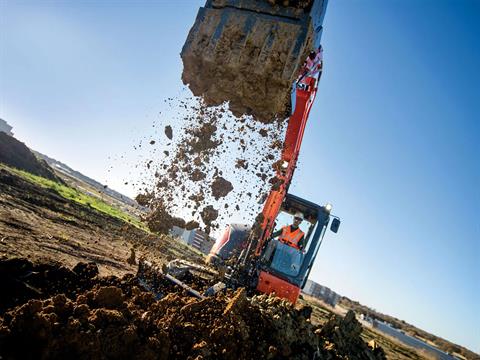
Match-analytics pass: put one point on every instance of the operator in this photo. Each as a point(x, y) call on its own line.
point(292, 235)
point(316, 65)
point(313, 64)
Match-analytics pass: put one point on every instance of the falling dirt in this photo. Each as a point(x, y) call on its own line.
point(213, 160)
point(89, 317)
point(209, 214)
point(221, 187)
point(160, 221)
point(169, 132)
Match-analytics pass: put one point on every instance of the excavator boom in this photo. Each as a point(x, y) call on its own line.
point(305, 95)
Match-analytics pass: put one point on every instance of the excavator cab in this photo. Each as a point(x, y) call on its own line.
point(283, 269)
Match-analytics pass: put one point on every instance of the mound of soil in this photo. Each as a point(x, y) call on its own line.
point(16, 154)
point(90, 317)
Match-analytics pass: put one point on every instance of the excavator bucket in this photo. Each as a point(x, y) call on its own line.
point(249, 52)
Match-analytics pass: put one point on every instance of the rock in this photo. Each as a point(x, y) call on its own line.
point(109, 297)
point(131, 260)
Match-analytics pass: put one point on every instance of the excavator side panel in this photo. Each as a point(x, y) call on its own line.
point(268, 284)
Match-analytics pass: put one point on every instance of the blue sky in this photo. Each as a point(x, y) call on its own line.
point(392, 140)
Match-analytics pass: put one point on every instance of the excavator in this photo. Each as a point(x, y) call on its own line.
point(248, 256)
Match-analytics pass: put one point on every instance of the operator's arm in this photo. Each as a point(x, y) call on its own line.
point(301, 242)
point(276, 234)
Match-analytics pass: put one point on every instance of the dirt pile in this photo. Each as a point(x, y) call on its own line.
point(114, 318)
point(16, 154)
point(21, 280)
point(250, 61)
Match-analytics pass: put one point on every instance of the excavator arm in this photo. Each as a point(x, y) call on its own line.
point(305, 92)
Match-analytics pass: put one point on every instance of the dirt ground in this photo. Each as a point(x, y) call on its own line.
point(38, 224)
point(68, 289)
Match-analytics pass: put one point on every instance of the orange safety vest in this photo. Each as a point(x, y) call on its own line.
point(291, 237)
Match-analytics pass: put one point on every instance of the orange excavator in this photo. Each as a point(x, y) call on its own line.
point(248, 255)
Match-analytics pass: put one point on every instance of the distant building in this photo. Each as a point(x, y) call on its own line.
point(195, 238)
point(321, 292)
point(202, 241)
point(7, 129)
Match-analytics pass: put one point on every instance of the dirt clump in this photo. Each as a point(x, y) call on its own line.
point(209, 214)
point(263, 133)
point(221, 187)
point(169, 132)
point(197, 175)
point(202, 138)
point(192, 224)
point(160, 220)
point(144, 199)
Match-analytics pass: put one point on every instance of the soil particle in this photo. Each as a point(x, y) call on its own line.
point(276, 183)
point(221, 187)
point(191, 225)
point(160, 221)
point(209, 214)
point(197, 175)
point(144, 199)
point(168, 132)
point(202, 138)
point(109, 297)
point(241, 164)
